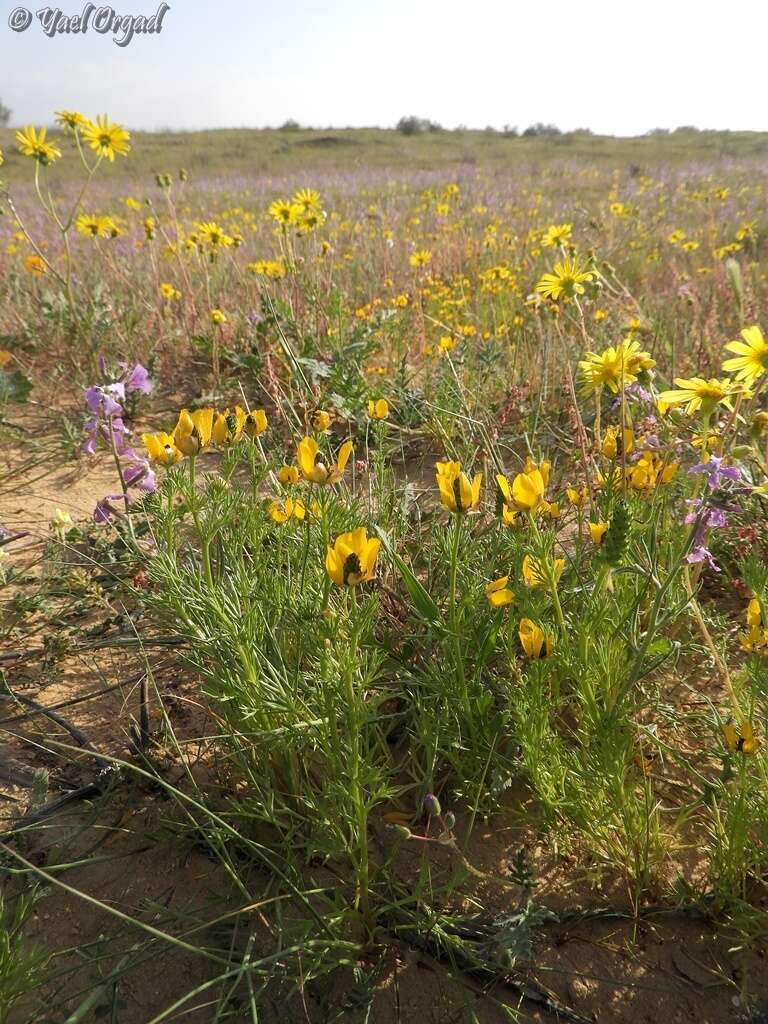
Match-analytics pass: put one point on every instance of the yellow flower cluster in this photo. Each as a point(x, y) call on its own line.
point(197, 431)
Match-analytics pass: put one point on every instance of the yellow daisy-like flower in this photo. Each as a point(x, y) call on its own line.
point(32, 143)
point(105, 138)
point(161, 448)
point(557, 234)
point(284, 212)
point(34, 264)
point(168, 291)
point(533, 640)
point(536, 575)
point(211, 234)
point(498, 593)
point(314, 465)
point(70, 119)
point(696, 394)
point(378, 410)
point(93, 225)
point(307, 200)
point(617, 366)
point(218, 318)
point(420, 258)
point(566, 281)
point(352, 558)
point(751, 360)
point(457, 493)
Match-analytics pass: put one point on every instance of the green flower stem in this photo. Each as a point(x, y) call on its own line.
point(204, 543)
point(453, 610)
point(356, 759)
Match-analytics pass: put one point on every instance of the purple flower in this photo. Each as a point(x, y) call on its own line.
point(101, 401)
point(104, 511)
point(137, 379)
point(703, 554)
point(716, 472)
point(716, 518)
point(140, 474)
point(106, 423)
point(635, 392)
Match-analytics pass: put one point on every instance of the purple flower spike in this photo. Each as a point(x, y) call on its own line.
point(716, 472)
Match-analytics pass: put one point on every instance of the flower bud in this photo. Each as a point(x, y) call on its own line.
point(432, 804)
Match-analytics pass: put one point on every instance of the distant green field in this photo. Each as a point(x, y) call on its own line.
point(274, 151)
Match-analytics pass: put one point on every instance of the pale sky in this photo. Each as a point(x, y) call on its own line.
point(617, 68)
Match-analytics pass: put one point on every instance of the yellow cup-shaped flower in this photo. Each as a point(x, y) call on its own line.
point(161, 448)
point(498, 593)
point(511, 516)
point(378, 410)
point(352, 558)
point(255, 423)
point(321, 420)
point(316, 468)
point(543, 468)
point(577, 498)
point(740, 738)
point(528, 490)
point(228, 426)
point(536, 574)
point(288, 475)
point(193, 432)
point(282, 511)
point(533, 641)
point(610, 447)
point(597, 532)
point(456, 491)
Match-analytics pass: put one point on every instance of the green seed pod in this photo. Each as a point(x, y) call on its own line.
point(617, 537)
